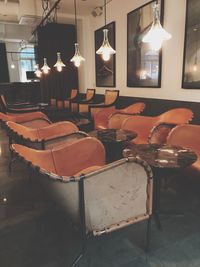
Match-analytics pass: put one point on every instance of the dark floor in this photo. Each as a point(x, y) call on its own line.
point(41, 236)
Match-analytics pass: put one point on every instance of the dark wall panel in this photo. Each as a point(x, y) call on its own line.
point(4, 74)
point(54, 38)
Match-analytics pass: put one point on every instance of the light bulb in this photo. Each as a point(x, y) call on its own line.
point(38, 72)
point(105, 56)
point(156, 35)
point(195, 67)
point(105, 50)
point(59, 64)
point(45, 68)
point(12, 66)
point(77, 58)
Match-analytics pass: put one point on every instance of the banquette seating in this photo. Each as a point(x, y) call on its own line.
point(110, 100)
point(116, 116)
point(99, 198)
point(143, 125)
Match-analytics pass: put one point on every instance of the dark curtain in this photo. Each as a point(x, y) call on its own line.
point(54, 38)
point(4, 74)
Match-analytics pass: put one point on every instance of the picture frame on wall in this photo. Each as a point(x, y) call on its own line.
point(105, 70)
point(143, 64)
point(191, 56)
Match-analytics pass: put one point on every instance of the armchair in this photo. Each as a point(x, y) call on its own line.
point(73, 96)
point(32, 119)
point(187, 136)
point(111, 97)
point(99, 198)
point(143, 125)
point(45, 137)
point(112, 118)
point(18, 107)
point(76, 104)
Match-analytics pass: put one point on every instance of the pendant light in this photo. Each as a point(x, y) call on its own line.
point(59, 64)
point(45, 68)
point(12, 66)
point(105, 50)
point(38, 72)
point(156, 35)
point(77, 58)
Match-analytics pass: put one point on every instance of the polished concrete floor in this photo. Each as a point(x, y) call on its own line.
point(40, 235)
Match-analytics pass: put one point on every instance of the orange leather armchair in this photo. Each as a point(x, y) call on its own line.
point(113, 118)
point(45, 137)
point(143, 125)
point(91, 192)
point(111, 97)
point(187, 136)
point(18, 107)
point(73, 96)
point(32, 119)
point(75, 105)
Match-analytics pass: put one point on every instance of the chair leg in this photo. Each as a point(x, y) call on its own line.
point(148, 235)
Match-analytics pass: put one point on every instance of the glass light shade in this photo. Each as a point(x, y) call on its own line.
point(59, 64)
point(105, 50)
point(77, 58)
point(12, 66)
point(156, 35)
point(45, 68)
point(195, 67)
point(38, 72)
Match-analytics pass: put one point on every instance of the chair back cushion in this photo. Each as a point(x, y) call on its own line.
point(111, 96)
point(177, 116)
point(90, 94)
point(135, 108)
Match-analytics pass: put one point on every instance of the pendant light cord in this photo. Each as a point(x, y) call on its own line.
point(105, 10)
point(75, 18)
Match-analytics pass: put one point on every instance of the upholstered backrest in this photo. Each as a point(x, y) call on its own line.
point(3, 100)
point(68, 159)
point(57, 129)
point(111, 96)
point(60, 104)
point(79, 155)
point(22, 130)
point(142, 125)
point(177, 115)
point(40, 158)
point(74, 93)
point(90, 94)
point(186, 135)
point(116, 120)
point(36, 123)
point(101, 117)
point(53, 102)
point(160, 132)
point(135, 108)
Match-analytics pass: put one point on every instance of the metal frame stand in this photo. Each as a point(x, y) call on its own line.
point(82, 222)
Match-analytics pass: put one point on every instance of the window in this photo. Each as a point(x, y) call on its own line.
point(26, 62)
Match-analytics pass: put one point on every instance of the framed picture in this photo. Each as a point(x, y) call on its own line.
point(191, 57)
point(105, 70)
point(143, 64)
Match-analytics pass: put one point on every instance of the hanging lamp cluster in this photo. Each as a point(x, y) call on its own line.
point(156, 35)
point(76, 59)
point(105, 50)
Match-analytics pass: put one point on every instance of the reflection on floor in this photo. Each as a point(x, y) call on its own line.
point(41, 236)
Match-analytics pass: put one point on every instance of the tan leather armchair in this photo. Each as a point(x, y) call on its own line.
point(99, 198)
point(73, 96)
point(32, 119)
point(17, 107)
point(112, 118)
point(143, 125)
point(76, 105)
point(187, 136)
point(46, 137)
